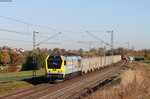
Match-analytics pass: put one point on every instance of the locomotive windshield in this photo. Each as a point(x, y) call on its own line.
point(54, 62)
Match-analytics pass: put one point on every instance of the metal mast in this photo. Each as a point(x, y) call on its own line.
point(112, 43)
point(34, 58)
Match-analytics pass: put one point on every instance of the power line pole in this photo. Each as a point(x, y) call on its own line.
point(132, 51)
point(34, 58)
point(105, 50)
point(128, 49)
point(111, 43)
point(128, 45)
point(90, 46)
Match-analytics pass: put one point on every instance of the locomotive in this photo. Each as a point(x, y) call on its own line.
point(59, 66)
point(124, 57)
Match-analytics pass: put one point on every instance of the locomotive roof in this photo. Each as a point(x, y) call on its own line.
point(68, 56)
point(65, 55)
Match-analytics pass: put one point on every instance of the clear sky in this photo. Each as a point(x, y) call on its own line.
point(129, 19)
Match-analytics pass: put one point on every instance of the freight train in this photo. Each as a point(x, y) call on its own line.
point(60, 66)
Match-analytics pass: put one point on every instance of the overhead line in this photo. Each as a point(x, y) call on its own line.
point(6, 30)
point(24, 41)
point(80, 42)
point(15, 40)
point(14, 20)
point(27, 23)
point(98, 31)
point(57, 39)
point(48, 38)
point(97, 38)
point(24, 22)
point(72, 46)
point(52, 43)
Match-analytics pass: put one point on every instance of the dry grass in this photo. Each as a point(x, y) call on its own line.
point(4, 68)
point(133, 85)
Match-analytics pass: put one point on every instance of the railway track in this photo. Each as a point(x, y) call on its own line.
point(74, 88)
point(67, 88)
point(68, 91)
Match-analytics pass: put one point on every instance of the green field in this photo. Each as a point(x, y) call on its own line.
point(147, 62)
point(16, 76)
point(22, 73)
point(139, 57)
point(13, 81)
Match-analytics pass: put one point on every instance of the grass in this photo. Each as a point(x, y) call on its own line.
point(19, 80)
point(4, 68)
point(20, 84)
point(147, 62)
point(13, 81)
point(21, 73)
point(132, 84)
point(16, 85)
point(16, 78)
point(139, 56)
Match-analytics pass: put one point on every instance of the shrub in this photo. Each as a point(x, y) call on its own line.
point(39, 61)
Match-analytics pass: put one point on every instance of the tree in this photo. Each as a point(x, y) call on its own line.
point(63, 51)
point(4, 57)
point(148, 55)
point(57, 50)
point(121, 50)
point(101, 52)
point(80, 50)
point(93, 50)
point(16, 58)
point(40, 61)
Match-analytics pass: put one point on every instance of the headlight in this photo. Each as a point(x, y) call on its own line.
point(60, 71)
point(47, 71)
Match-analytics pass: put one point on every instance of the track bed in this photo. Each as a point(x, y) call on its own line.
point(70, 88)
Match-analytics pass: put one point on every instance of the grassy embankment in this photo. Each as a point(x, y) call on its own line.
point(132, 84)
point(13, 81)
point(146, 59)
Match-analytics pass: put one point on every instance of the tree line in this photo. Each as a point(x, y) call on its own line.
point(25, 59)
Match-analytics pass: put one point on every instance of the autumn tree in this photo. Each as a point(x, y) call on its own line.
point(63, 51)
point(101, 52)
point(4, 57)
point(121, 50)
point(93, 50)
point(16, 58)
point(80, 50)
point(57, 50)
point(148, 55)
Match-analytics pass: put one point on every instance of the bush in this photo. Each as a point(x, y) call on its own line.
point(39, 61)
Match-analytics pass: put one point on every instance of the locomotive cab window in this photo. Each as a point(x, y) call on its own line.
point(54, 62)
point(65, 62)
point(79, 62)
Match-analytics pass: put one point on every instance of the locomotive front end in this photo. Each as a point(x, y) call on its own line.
point(54, 68)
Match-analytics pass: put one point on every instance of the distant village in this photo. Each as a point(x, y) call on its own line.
point(20, 50)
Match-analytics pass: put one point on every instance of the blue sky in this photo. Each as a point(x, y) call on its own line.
point(130, 20)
